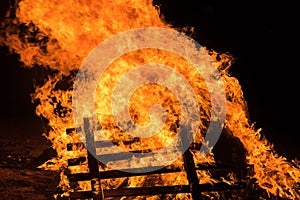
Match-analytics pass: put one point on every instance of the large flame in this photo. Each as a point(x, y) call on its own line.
point(58, 35)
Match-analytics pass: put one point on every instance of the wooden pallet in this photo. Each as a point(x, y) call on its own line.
point(95, 176)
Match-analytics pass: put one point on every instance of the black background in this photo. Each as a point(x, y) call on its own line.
point(262, 36)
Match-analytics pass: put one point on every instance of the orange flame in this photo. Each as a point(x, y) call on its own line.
point(59, 34)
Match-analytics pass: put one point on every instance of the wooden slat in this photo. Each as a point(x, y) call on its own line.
point(189, 166)
point(71, 130)
point(108, 143)
point(92, 162)
point(143, 191)
point(122, 172)
point(124, 155)
point(77, 145)
point(157, 190)
point(76, 161)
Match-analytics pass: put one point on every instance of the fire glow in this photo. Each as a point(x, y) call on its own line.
point(60, 34)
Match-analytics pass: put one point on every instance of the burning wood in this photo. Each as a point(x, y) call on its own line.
point(193, 187)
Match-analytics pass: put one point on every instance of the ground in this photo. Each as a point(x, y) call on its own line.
point(20, 178)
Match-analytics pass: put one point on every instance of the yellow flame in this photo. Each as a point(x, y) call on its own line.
point(59, 34)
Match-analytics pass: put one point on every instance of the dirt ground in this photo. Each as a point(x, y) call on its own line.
point(20, 178)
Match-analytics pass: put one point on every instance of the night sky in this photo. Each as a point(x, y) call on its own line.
point(261, 36)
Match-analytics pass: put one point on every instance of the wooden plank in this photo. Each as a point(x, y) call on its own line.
point(157, 190)
point(108, 143)
point(76, 161)
point(119, 174)
point(143, 191)
point(189, 165)
point(92, 162)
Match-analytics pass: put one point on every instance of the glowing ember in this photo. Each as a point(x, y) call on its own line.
point(60, 34)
